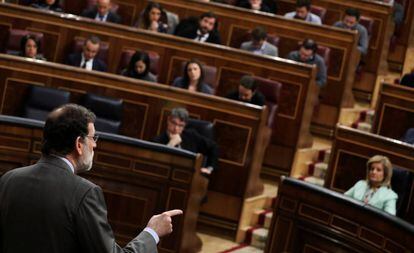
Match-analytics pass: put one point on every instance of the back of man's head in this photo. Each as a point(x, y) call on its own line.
point(259, 33)
point(63, 125)
point(181, 113)
point(248, 82)
point(353, 13)
point(303, 3)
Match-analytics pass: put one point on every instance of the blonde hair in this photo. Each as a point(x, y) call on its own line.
point(387, 169)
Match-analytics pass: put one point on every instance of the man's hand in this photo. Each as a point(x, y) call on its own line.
point(161, 223)
point(175, 139)
point(206, 171)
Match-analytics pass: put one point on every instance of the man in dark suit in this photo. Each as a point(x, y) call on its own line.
point(46, 207)
point(189, 139)
point(203, 29)
point(247, 92)
point(86, 59)
point(102, 12)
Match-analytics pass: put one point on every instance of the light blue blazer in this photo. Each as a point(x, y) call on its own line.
point(384, 198)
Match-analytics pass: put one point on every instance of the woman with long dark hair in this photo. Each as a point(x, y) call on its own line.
point(139, 67)
point(193, 78)
point(154, 18)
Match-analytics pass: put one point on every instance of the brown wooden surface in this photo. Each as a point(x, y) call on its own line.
point(352, 149)
point(394, 113)
point(376, 59)
point(234, 24)
point(137, 182)
point(396, 56)
point(295, 108)
point(309, 218)
point(238, 127)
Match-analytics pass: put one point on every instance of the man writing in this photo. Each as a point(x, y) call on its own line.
point(46, 207)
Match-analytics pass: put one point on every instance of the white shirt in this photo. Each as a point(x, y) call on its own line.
point(201, 37)
point(89, 63)
point(97, 17)
point(311, 18)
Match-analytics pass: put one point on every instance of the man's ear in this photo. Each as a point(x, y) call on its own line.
point(78, 145)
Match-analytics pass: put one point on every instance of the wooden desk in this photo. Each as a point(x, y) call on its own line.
point(394, 113)
point(138, 178)
point(238, 127)
point(352, 149)
point(309, 218)
point(376, 59)
point(297, 95)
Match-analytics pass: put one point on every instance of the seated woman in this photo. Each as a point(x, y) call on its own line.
point(52, 5)
point(376, 189)
point(29, 46)
point(193, 78)
point(408, 79)
point(139, 67)
point(154, 18)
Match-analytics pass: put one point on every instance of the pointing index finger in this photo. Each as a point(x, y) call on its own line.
point(173, 212)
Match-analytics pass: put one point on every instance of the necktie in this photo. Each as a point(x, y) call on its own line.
point(101, 18)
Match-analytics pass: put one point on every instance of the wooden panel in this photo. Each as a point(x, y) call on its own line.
point(350, 152)
point(348, 226)
point(238, 127)
point(131, 197)
point(231, 64)
point(395, 104)
point(375, 60)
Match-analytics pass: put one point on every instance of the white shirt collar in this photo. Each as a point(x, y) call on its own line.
point(104, 17)
point(203, 37)
point(89, 64)
point(67, 162)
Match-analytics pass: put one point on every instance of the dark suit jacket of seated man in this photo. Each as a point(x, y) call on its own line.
point(189, 139)
point(87, 58)
point(203, 29)
point(102, 12)
point(75, 59)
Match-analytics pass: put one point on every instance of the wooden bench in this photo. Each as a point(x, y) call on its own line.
point(235, 24)
point(309, 218)
point(376, 59)
point(298, 92)
point(238, 127)
point(351, 150)
point(138, 179)
point(394, 112)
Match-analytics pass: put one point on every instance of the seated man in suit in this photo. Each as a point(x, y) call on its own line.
point(258, 44)
point(189, 139)
point(303, 12)
point(203, 29)
point(86, 59)
point(351, 22)
point(247, 92)
point(102, 12)
point(307, 54)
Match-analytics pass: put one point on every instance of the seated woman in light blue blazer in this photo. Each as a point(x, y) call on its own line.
point(376, 189)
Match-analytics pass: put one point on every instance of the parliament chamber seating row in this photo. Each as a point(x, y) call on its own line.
point(376, 17)
point(309, 218)
point(138, 179)
point(235, 23)
point(291, 123)
point(239, 128)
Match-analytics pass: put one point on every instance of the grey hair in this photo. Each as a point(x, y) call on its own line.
point(181, 113)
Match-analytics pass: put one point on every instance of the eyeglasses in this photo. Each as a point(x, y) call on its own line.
point(94, 138)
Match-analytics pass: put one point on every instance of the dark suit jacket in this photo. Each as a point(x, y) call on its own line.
point(257, 99)
point(187, 28)
point(112, 17)
point(47, 208)
point(76, 58)
point(194, 142)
